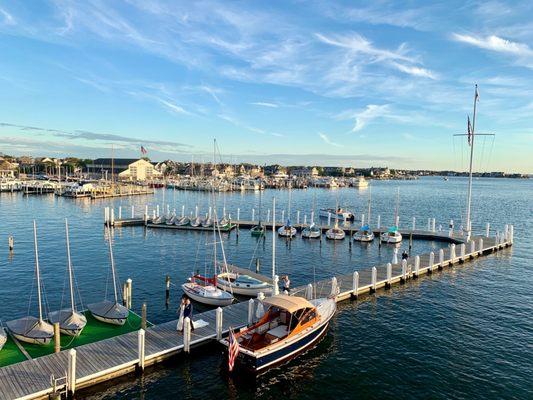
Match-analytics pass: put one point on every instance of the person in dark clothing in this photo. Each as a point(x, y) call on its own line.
point(187, 312)
point(405, 255)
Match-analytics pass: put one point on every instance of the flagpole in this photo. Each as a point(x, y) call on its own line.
point(469, 198)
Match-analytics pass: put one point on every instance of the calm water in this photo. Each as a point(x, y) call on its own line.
point(463, 333)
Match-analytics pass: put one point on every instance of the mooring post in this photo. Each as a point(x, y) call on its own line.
point(431, 262)
point(157, 210)
point(309, 292)
point(450, 232)
point(282, 215)
point(268, 215)
point(452, 253)
point(141, 336)
point(167, 291)
point(250, 311)
point(187, 335)
point(71, 373)
point(441, 258)
point(57, 338)
point(414, 223)
point(125, 294)
point(389, 275)
point(462, 252)
point(210, 212)
point(218, 322)
point(145, 214)
point(404, 270)
point(374, 278)
point(355, 284)
point(143, 316)
point(128, 285)
point(253, 214)
point(379, 222)
point(305, 219)
point(275, 285)
point(298, 217)
point(480, 246)
point(112, 217)
point(182, 210)
point(154, 215)
point(119, 212)
point(329, 219)
point(511, 233)
point(429, 224)
point(257, 265)
point(334, 287)
point(11, 242)
point(417, 265)
point(472, 248)
point(106, 215)
point(487, 230)
point(433, 224)
point(362, 220)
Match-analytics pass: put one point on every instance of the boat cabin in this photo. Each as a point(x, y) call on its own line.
point(285, 317)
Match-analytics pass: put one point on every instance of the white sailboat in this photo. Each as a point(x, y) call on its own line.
point(312, 231)
point(288, 230)
point(3, 337)
point(393, 235)
point(70, 321)
point(336, 233)
point(31, 329)
point(111, 312)
point(365, 234)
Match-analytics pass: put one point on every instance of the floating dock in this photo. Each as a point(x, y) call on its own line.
point(93, 363)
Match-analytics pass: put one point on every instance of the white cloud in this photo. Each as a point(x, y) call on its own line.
point(172, 107)
point(6, 18)
point(327, 140)
point(414, 70)
point(370, 113)
point(495, 43)
point(265, 104)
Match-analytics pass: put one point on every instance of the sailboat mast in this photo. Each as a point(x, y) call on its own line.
point(112, 266)
point(38, 276)
point(273, 238)
point(469, 198)
point(397, 207)
point(369, 202)
point(215, 219)
point(70, 278)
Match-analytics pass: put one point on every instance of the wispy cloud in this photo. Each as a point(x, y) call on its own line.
point(416, 71)
point(327, 140)
point(6, 18)
point(234, 121)
point(265, 104)
point(172, 107)
point(363, 117)
point(495, 43)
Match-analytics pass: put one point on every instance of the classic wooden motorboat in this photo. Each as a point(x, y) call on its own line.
point(290, 326)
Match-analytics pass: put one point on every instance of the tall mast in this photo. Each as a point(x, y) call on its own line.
point(215, 219)
point(273, 238)
point(369, 201)
point(112, 265)
point(469, 198)
point(37, 272)
point(397, 207)
point(70, 278)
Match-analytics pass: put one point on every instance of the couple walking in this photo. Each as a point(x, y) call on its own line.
point(185, 311)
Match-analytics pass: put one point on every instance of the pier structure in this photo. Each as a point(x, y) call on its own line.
point(100, 361)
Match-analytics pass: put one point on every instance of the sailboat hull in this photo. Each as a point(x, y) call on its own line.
point(218, 297)
point(112, 321)
point(39, 341)
point(70, 323)
point(386, 238)
point(363, 237)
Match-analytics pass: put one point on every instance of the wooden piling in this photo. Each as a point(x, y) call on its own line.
point(187, 335)
point(57, 338)
point(143, 316)
point(389, 276)
point(71, 373)
point(355, 285)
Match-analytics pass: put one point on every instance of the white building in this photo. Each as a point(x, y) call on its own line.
point(140, 170)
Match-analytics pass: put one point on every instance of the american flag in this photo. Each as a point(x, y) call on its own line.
point(469, 131)
point(143, 150)
point(233, 350)
point(477, 94)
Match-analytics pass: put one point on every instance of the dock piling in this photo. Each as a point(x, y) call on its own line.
point(218, 322)
point(374, 278)
point(487, 230)
point(125, 294)
point(429, 224)
point(253, 213)
point(157, 211)
point(143, 316)
point(250, 312)
point(379, 222)
point(119, 212)
point(11, 242)
point(441, 258)
point(389, 275)
point(480, 246)
point(334, 287)
point(141, 337)
point(132, 211)
point(305, 219)
point(298, 217)
point(433, 225)
point(268, 215)
point(112, 217)
point(128, 287)
point(472, 248)
point(462, 252)
point(275, 285)
point(404, 271)
point(414, 223)
point(511, 233)
point(282, 215)
point(57, 338)
point(187, 335)
point(71, 373)
point(167, 290)
point(452, 253)
point(431, 262)
point(362, 220)
point(417, 266)
point(309, 292)
point(329, 219)
point(355, 284)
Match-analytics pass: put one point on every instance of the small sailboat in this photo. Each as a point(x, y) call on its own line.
point(3, 337)
point(111, 312)
point(259, 230)
point(31, 329)
point(171, 220)
point(70, 321)
point(365, 234)
point(196, 222)
point(336, 233)
point(311, 232)
point(207, 222)
point(393, 235)
point(158, 220)
point(204, 290)
point(288, 230)
point(290, 326)
point(337, 213)
point(182, 221)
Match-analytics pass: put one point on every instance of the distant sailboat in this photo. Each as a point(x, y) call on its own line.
point(70, 321)
point(31, 329)
point(259, 229)
point(111, 312)
point(336, 233)
point(393, 235)
point(365, 234)
point(312, 231)
point(288, 230)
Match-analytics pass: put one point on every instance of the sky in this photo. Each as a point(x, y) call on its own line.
point(348, 83)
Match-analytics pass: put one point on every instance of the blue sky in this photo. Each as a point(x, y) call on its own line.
point(332, 82)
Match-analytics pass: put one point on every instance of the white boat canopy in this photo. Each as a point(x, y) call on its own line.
point(289, 303)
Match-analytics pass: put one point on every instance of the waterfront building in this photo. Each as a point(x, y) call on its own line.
point(140, 170)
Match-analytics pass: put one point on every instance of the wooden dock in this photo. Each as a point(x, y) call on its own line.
point(107, 359)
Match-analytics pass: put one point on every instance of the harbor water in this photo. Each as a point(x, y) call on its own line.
point(461, 333)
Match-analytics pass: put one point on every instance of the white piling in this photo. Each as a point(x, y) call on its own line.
point(196, 211)
point(417, 265)
point(309, 292)
point(71, 372)
point(334, 287)
point(128, 286)
point(305, 219)
point(389, 274)
point(355, 283)
point(268, 215)
point(168, 209)
point(472, 248)
point(374, 278)
point(362, 219)
point(250, 311)
point(431, 261)
point(187, 335)
point(253, 214)
point(441, 258)
point(395, 255)
point(329, 219)
point(182, 210)
point(157, 210)
point(119, 212)
point(404, 269)
point(450, 233)
point(462, 252)
point(218, 323)
point(480, 246)
point(106, 215)
point(429, 224)
point(433, 225)
point(210, 212)
point(298, 216)
point(414, 223)
point(275, 284)
point(132, 211)
point(112, 216)
point(146, 212)
point(452, 253)
point(378, 225)
point(153, 215)
point(511, 233)
point(141, 352)
point(487, 230)
point(282, 215)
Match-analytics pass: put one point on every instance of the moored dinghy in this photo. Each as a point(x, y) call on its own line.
point(107, 311)
point(204, 290)
point(3, 337)
point(31, 329)
point(290, 326)
point(70, 321)
point(311, 232)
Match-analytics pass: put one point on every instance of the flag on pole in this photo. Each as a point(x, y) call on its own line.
point(233, 350)
point(477, 94)
point(469, 134)
point(143, 150)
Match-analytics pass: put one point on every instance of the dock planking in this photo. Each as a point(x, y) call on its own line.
point(106, 359)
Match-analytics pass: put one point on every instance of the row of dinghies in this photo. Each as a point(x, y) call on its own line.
point(195, 222)
point(40, 330)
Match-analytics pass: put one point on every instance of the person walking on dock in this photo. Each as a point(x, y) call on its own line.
point(187, 311)
point(405, 255)
point(181, 312)
point(286, 284)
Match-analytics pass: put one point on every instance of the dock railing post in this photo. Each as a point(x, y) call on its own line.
point(389, 275)
point(431, 262)
point(141, 336)
point(452, 253)
point(414, 223)
point(250, 311)
point(355, 284)
point(187, 335)
point(378, 225)
point(404, 270)
point(374, 278)
point(441, 258)
point(487, 230)
point(71, 373)
point(417, 265)
point(462, 252)
point(218, 322)
point(143, 316)
point(480, 246)
point(334, 287)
